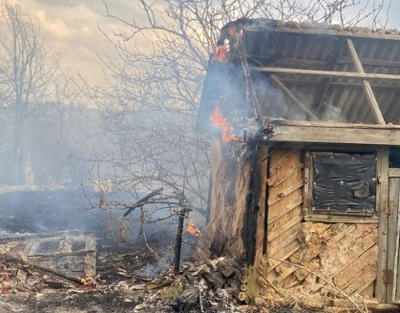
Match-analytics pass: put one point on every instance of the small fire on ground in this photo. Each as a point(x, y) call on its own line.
point(192, 229)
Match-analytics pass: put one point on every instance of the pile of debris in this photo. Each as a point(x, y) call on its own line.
point(69, 272)
point(210, 286)
point(62, 268)
point(58, 260)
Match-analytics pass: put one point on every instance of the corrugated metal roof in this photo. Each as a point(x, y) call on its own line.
point(272, 44)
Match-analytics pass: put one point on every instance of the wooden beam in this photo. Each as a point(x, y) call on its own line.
point(351, 84)
point(289, 62)
point(334, 133)
point(318, 100)
point(366, 84)
point(370, 62)
point(329, 218)
point(304, 32)
point(333, 74)
point(277, 82)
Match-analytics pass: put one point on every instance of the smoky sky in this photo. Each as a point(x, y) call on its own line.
point(71, 29)
point(124, 8)
point(393, 15)
point(59, 2)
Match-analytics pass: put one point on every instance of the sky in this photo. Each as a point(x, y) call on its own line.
point(70, 27)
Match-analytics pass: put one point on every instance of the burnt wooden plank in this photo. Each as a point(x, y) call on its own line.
point(261, 231)
point(229, 201)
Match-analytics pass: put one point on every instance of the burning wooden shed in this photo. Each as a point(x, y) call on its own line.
point(305, 159)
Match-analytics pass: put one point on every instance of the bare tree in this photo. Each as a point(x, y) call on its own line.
point(150, 102)
point(26, 71)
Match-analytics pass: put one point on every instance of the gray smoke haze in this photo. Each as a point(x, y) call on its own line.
point(70, 27)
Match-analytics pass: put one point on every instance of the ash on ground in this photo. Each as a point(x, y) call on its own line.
point(129, 278)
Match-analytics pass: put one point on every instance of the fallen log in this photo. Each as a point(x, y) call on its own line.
point(56, 284)
point(19, 262)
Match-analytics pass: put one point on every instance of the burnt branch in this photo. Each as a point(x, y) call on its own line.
point(143, 201)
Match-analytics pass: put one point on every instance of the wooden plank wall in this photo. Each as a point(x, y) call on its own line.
point(314, 257)
point(284, 223)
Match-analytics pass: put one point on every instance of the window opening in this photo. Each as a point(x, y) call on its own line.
point(344, 183)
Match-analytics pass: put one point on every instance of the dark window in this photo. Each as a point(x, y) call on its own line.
point(394, 157)
point(344, 183)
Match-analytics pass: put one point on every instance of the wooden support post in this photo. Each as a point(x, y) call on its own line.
point(252, 275)
point(381, 200)
point(366, 84)
point(249, 83)
point(277, 82)
point(178, 243)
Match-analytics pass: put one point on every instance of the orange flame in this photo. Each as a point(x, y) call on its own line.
point(233, 31)
point(87, 282)
point(220, 53)
point(192, 229)
point(217, 120)
point(6, 276)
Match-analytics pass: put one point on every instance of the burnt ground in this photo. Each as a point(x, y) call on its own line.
point(132, 278)
point(135, 275)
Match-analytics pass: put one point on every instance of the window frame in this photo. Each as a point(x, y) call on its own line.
point(310, 214)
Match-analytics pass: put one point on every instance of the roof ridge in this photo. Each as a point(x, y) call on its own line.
point(265, 23)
